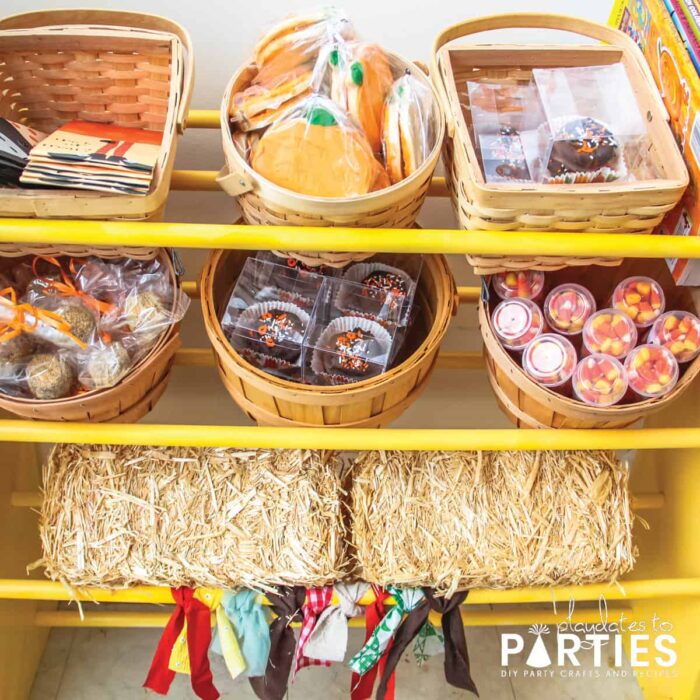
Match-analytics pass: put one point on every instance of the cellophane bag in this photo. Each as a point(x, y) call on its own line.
point(285, 58)
point(70, 325)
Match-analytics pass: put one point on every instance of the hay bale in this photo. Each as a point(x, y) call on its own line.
point(459, 520)
point(120, 516)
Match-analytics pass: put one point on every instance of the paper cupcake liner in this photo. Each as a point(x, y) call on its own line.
point(356, 273)
point(252, 313)
point(342, 325)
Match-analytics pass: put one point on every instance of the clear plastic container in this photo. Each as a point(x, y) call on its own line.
point(679, 331)
point(524, 284)
point(599, 380)
point(641, 298)
point(516, 322)
point(652, 371)
point(568, 307)
point(611, 332)
point(550, 360)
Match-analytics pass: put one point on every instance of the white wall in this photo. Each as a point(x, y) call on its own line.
point(224, 31)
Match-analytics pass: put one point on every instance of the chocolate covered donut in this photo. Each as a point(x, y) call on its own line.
point(582, 145)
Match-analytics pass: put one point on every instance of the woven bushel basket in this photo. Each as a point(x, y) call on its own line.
point(613, 207)
point(123, 68)
point(127, 401)
point(263, 202)
point(461, 520)
point(370, 403)
point(122, 516)
point(530, 405)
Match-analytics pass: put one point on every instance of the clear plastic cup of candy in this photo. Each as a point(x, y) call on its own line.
point(516, 322)
point(568, 307)
point(641, 298)
point(524, 284)
point(599, 380)
point(679, 331)
point(550, 360)
point(652, 371)
point(609, 331)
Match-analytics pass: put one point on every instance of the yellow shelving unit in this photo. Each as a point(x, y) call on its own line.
point(666, 472)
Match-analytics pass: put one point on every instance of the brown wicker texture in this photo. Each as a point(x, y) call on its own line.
point(121, 516)
point(263, 202)
point(632, 207)
point(460, 520)
point(370, 403)
point(127, 401)
point(530, 405)
point(124, 68)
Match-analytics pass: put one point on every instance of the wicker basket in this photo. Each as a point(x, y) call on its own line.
point(128, 400)
point(370, 403)
point(530, 405)
point(263, 202)
point(635, 207)
point(125, 68)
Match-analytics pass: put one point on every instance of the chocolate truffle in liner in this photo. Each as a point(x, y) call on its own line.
point(384, 281)
point(279, 333)
point(80, 319)
point(50, 376)
point(352, 352)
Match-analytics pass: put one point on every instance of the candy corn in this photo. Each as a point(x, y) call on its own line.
point(641, 298)
point(568, 307)
point(599, 380)
point(679, 331)
point(652, 370)
point(550, 360)
point(611, 332)
point(516, 322)
point(525, 284)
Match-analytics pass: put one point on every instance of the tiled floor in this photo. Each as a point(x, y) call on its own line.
point(112, 664)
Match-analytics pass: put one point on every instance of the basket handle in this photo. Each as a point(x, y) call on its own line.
point(234, 183)
point(535, 20)
point(116, 18)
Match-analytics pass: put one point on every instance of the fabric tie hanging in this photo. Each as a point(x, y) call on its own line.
point(194, 615)
point(457, 671)
point(317, 600)
point(329, 638)
point(286, 603)
point(250, 623)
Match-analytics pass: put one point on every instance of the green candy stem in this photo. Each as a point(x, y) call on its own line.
point(320, 116)
point(356, 73)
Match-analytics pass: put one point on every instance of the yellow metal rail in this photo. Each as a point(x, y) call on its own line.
point(649, 589)
point(470, 618)
point(348, 438)
point(249, 237)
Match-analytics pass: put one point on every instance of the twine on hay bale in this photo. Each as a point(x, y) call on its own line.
point(120, 516)
point(458, 520)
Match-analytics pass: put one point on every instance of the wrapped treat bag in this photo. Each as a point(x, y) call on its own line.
point(594, 130)
point(523, 284)
point(317, 150)
point(516, 322)
point(567, 308)
point(81, 324)
point(641, 298)
point(599, 380)
point(550, 360)
point(611, 332)
point(286, 57)
point(652, 371)
point(679, 331)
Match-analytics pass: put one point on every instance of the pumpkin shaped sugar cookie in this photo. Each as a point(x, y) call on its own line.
point(406, 127)
point(368, 78)
point(316, 150)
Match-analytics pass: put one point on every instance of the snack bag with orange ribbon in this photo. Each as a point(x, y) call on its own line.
point(285, 58)
point(70, 325)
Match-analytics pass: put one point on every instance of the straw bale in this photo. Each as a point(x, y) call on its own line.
point(459, 520)
point(120, 516)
